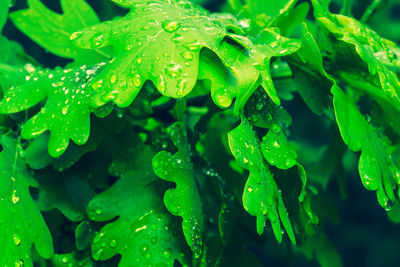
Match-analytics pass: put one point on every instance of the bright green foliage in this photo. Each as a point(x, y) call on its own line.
point(261, 196)
point(262, 54)
point(376, 167)
point(21, 224)
point(143, 234)
point(175, 32)
point(367, 44)
point(66, 113)
point(205, 126)
point(52, 30)
point(184, 200)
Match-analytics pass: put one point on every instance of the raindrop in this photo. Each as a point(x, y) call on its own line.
point(137, 80)
point(17, 240)
point(15, 197)
point(223, 98)
point(167, 253)
point(113, 79)
point(187, 55)
point(75, 35)
point(97, 40)
point(113, 243)
point(170, 26)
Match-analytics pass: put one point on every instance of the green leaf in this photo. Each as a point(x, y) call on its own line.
point(68, 192)
point(184, 199)
point(4, 12)
point(143, 233)
point(70, 259)
point(269, 44)
point(261, 196)
point(66, 113)
point(265, 13)
point(21, 223)
point(376, 167)
point(312, 81)
point(158, 42)
point(279, 153)
point(366, 43)
point(52, 30)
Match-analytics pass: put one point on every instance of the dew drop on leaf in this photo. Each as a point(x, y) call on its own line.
point(17, 239)
point(222, 98)
point(170, 26)
point(137, 81)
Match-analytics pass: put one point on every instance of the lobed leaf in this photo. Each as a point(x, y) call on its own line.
point(21, 223)
point(52, 30)
point(184, 199)
point(366, 43)
point(261, 196)
point(143, 234)
point(376, 167)
point(66, 113)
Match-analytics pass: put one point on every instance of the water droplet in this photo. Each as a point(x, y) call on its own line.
point(16, 239)
point(137, 80)
point(170, 26)
point(75, 35)
point(113, 79)
point(15, 197)
point(193, 46)
point(167, 253)
point(173, 70)
point(97, 40)
point(99, 211)
point(222, 98)
point(144, 249)
point(64, 110)
point(98, 237)
point(139, 61)
point(113, 243)
point(275, 128)
point(187, 55)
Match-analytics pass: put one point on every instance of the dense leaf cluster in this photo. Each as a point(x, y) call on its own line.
point(185, 144)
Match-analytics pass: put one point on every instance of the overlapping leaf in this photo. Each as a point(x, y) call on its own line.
point(21, 224)
point(66, 113)
point(52, 30)
point(143, 234)
point(261, 196)
point(158, 41)
point(376, 167)
point(366, 43)
point(161, 41)
point(184, 199)
point(312, 81)
point(4, 12)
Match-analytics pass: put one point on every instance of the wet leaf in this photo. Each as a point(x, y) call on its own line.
point(376, 167)
point(184, 199)
point(143, 234)
point(52, 30)
point(66, 113)
point(261, 196)
point(21, 223)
